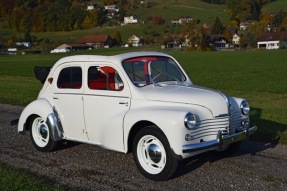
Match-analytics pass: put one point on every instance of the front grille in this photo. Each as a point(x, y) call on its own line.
point(235, 118)
point(210, 127)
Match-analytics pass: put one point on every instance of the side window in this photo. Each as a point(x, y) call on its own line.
point(104, 78)
point(70, 78)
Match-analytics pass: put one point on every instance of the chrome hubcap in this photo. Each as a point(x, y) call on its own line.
point(154, 153)
point(43, 131)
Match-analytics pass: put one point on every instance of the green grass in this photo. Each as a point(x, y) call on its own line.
point(174, 9)
point(11, 179)
point(258, 76)
point(275, 6)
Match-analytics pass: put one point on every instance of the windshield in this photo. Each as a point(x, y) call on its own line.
point(153, 70)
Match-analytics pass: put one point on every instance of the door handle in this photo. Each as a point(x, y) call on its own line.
point(123, 103)
point(55, 97)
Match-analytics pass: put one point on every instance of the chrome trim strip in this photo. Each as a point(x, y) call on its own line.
point(223, 115)
point(221, 140)
point(91, 95)
point(106, 96)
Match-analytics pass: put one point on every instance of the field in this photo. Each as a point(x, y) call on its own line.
point(258, 76)
point(275, 6)
point(11, 179)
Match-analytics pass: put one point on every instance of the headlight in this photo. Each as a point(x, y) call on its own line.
point(245, 108)
point(190, 121)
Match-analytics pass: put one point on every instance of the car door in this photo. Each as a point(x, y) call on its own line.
point(106, 101)
point(68, 101)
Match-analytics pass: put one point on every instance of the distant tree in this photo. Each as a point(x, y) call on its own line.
point(10, 41)
point(27, 37)
point(214, 1)
point(96, 17)
point(15, 18)
point(26, 22)
point(117, 38)
point(266, 18)
point(108, 2)
point(249, 36)
point(228, 35)
point(217, 27)
point(156, 19)
point(278, 18)
point(88, 23)
point(243, 10)
point(284, 24)
point(6, 7)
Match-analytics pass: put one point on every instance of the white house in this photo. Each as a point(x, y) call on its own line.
point(244, 25)
point(135, 40)
point(90, 7)
point(26, 44)
point(236, 39)
point(130, 20)
point(272, 40)
point(182, 20)
point(113, 8)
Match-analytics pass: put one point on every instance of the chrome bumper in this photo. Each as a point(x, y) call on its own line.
point(221, 140)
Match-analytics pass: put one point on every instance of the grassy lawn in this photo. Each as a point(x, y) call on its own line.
point(11, 179)
point(258, 76)
point(275, 6)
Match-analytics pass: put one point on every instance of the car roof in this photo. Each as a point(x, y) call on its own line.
point(114, 58)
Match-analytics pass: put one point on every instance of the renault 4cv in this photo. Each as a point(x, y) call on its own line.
point(142, 102)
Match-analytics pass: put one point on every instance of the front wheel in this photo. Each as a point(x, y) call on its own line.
point(152, 154)
point(40, 135)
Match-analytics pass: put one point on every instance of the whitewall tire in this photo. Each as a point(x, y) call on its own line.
point(40, 135)
point(152, 154)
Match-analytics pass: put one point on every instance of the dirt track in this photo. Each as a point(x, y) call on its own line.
point(256, 166)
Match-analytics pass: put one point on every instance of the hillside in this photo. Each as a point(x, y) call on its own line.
point(168, 9)
point(173, 9)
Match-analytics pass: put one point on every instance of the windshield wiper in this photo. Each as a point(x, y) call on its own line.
point(165, 74)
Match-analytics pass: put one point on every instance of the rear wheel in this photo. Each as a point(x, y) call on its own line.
point(40, 135)
point(152, 154)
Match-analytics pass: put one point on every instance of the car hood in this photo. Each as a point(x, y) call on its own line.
point(195, 95)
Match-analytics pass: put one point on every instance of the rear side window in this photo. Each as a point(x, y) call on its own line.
point(70, 78)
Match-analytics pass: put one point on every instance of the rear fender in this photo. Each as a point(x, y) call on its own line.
point(42, 108)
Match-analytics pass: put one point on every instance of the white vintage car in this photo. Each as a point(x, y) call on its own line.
point(141, 102)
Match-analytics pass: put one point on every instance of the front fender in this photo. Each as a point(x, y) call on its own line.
point(169, 120)
point(41, 107)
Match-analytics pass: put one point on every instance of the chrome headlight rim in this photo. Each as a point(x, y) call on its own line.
point(244, 107)
point(190, 121)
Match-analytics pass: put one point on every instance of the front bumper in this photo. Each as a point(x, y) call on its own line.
point(221, 140)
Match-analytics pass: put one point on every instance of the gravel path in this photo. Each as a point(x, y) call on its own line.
point(256, 166)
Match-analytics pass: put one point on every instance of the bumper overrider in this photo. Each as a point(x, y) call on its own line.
point(221, 140)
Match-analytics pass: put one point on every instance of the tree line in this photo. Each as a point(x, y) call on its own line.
point(48, 15)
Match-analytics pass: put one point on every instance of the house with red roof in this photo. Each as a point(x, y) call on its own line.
point(272, 40)
point(96, 41)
